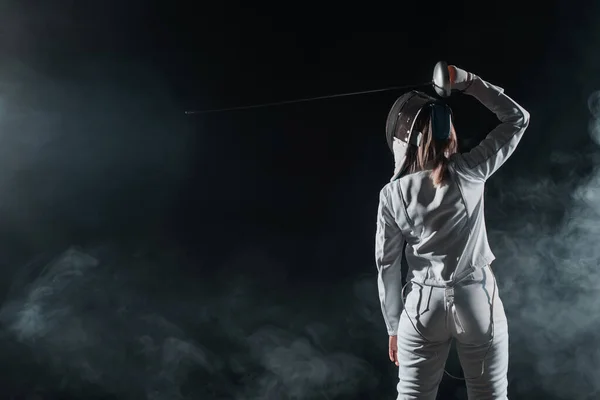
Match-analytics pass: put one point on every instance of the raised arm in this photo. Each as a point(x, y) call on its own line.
point(389, 244)
point(485, 159)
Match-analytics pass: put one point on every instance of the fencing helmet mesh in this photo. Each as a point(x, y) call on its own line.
point(400, 125)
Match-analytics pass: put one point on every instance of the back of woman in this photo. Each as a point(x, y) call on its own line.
point(434, 205)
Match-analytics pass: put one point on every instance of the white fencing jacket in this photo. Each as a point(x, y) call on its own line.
point(443, 228)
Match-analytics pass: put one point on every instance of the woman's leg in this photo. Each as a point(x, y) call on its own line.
point(482, 345)
point(423, 344)
point(492, 384)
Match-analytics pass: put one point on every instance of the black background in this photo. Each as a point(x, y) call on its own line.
point(251, 232)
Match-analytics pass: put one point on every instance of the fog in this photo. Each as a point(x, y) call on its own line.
point(103, 154)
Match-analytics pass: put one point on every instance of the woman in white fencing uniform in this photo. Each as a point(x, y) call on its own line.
point(433, 208)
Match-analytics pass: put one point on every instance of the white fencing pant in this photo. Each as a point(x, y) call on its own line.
point(466, 316)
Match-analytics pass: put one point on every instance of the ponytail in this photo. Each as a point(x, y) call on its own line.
point(431, 150)
point(440, 170)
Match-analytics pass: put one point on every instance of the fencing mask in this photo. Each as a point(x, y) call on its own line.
point(400, 132)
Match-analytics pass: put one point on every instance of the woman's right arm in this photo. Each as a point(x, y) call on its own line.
point(485, 159)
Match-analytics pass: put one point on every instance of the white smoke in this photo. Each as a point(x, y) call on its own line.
point(94, 323)
point(547, 264)
point(594, 106)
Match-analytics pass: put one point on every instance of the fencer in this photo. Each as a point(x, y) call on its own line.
point(433, 210)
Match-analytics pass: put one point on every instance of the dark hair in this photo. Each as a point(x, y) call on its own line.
point(431, 149)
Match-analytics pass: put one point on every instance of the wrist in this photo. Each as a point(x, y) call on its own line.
point(462, 79)
point(459, 75)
